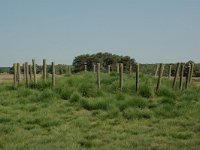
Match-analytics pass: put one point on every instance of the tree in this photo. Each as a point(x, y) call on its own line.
point(104, 59)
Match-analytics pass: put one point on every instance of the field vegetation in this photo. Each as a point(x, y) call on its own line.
point(76, 115)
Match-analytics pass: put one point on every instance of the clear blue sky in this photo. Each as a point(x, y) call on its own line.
point(150, 31)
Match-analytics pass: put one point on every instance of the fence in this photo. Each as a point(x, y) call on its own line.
point(181, 69)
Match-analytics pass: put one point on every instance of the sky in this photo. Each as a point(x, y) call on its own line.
point(151, 31)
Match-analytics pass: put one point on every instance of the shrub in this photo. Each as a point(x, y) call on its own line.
point(75, 97)
point(47, 95)
point(146, 91)
point(168, 92)
point(66, 92)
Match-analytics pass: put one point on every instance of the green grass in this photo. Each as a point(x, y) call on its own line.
point(77, 115)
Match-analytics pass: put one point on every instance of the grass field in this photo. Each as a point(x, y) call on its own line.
point(75, 115)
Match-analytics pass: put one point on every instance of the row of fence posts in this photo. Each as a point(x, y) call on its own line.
point(28, 73)
point(120, 71)
point(159, 72)
point(179, 73)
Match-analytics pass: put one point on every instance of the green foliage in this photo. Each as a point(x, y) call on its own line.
point(104, 58)
point(108, 118)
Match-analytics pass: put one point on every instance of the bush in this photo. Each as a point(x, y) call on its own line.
point(75, 97)
point(168, 92)
point(146, 91)
point(66, 93)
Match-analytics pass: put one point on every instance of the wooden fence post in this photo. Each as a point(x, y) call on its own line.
point(18, 73)
point(34, 72)
point(27, 71)
point(69, 69)
point(170, 70)
point(176, 75)
point(108, 69)
point(85, 67)
point(191, 73)
point(30, 71)
point(98, 75)
point(156, 72)
point(137, 77)
point(130, 69)
point(24, 73)
point(15, 74)
point(161, 68)
point(117, 67)
point(94, 67)
point(53, 74)
point(181, 76)
point(121, 76)
point(188, 76)
point(44, 70)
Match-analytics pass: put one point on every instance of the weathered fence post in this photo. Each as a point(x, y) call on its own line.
point(161, 68)
point(188, 76)
point(69, 69)
point(30, 71)
point(34, 71)
point(170, 70)
point(156, 72)
point(53, 74)
point(85, 67)
point(15, 74)
point(94, 67)
point(44, 70)
point(27, 71)
point(130, 69)
point(191, 73)
point(176, 75)
point(24, 73)
point(117, 67)
point(98, 75)
point(121, 76)
point(108, 69)
point(181, 76)
point(137, 77)
point(18, 73)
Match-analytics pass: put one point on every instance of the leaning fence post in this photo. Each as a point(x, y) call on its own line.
point(53, 74)
point(176, 75)
point(161, 68)
point(181, 76)
point(137, 77)
point(27, 79)
point(98, 75)
point(121, 76)
point(44, 70)
point(18, 73)
point(34, 71)
point(15, 74)
point(156, 72)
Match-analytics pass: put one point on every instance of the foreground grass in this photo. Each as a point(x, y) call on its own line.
point(75, 115)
